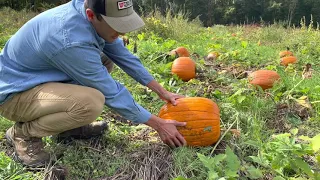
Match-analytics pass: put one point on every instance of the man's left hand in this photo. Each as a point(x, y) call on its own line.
point(170, 97)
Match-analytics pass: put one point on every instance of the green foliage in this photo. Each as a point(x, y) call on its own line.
point(227, 166)
point(12, 170)
point(286, 153)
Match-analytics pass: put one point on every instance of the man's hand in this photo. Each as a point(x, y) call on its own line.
point(167, 130)
point(170, 97)
point(163, 93)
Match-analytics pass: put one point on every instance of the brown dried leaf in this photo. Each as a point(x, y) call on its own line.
point(307, 71)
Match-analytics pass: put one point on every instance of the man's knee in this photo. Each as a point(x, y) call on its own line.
point(93, 103)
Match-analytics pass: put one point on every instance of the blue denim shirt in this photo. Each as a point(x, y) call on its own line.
point(61, 45)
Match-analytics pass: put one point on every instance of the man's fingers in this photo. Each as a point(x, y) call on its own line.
point(182, 140)
point(177, 123)
point(174, 98)
point(170, 143)
point(177, 142)
point(173, 101)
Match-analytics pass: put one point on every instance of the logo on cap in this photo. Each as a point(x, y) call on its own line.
point(124, 4)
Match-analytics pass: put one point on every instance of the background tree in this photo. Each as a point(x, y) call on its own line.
point(210, 12)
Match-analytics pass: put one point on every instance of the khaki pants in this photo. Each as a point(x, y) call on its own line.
point(52, 108)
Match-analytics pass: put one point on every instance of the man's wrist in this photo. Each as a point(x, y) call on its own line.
point(157, 88)
point(154, 122)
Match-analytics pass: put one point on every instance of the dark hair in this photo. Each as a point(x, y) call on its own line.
point(97, 6)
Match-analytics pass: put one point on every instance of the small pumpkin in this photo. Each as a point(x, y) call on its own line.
point(180, 52)
point(184, 68)
point(202, 116)
point(285, 61)
point(285, 53)
point(263, 78)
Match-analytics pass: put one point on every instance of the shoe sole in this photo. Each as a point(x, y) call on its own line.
point(15, 155)
point(10, 142)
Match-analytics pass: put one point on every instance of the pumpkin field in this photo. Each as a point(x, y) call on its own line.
point(256, 86)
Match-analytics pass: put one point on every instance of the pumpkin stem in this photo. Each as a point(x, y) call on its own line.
point(288, 48)
point(176, 53)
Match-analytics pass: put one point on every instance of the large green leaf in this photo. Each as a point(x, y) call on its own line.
point(315, 141)
point(254, 173)
point(233, 163)
point(302, 165)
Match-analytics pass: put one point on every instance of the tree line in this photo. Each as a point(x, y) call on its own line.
point(211, 12)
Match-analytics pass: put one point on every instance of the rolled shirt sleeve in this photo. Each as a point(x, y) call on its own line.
point(83, 65)
point(128, 62)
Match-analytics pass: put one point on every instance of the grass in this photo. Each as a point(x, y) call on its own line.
point(135, 152)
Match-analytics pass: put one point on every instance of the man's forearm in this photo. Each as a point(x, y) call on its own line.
point(157, 88)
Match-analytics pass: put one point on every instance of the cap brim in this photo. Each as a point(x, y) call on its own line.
point(125, 24)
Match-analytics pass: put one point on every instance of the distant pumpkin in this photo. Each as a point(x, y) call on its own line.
point(202, 116)
point(285, 53)
point(285, 61)
point(180, 52)
point(184, 68)
point(263, 78)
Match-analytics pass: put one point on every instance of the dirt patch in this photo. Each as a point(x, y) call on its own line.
point(236, 71)
point(286, 116)
point(151, 162)
point(110, 115)
point(278, 121)
point(56, 173)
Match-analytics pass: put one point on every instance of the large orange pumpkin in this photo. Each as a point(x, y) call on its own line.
point(202, 116)
point(180, 52)
point(184, 68)
point(285, 61)
point(263, 78)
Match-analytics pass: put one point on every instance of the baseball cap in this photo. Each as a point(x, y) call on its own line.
point(119, 14)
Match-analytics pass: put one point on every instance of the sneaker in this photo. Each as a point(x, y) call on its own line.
point(94, 129)
point(27, 150)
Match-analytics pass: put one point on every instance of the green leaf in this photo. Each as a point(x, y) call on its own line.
point(316, 143)
point(294, 131)
point(244, 44)
point(233, 163)
point(278, 161)
point(212, 175)
point(254, 173)
point(260, 160)
point(318, 159)
point(240, 99)
point(223, 178)
point(281, 136)
point(253, 143)
point(180, 178)
point(218, 158)
point(217, 46)
point(278, 178)
point(305, 138)
point(294, 120)
point(207, 161)
point(302, 165)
